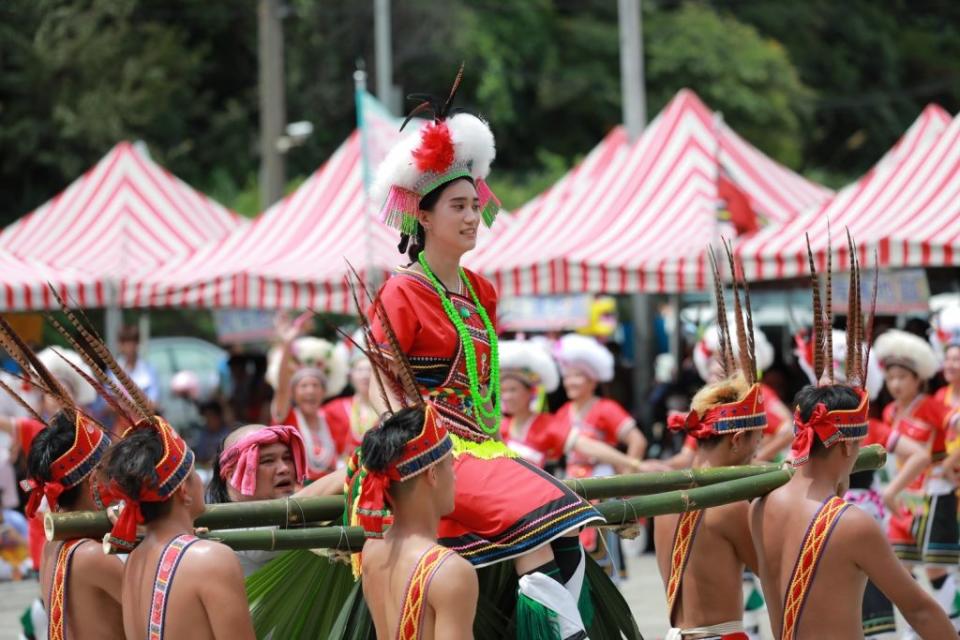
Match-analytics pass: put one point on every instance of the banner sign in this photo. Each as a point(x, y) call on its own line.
point(900, 291)
point(239, 326)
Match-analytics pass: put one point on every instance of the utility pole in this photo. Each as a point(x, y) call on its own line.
point(273, 107)
point(634, 119)
point(631, 67)
point(383, 54)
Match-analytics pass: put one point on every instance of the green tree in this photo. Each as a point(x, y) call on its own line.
point(735, 70)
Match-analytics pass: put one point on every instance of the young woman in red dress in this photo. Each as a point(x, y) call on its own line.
point(444, 319)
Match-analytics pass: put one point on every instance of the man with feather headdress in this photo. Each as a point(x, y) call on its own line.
point(815, 550)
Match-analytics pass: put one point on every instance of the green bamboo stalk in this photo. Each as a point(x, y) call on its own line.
point(617, 513)
point(299, 511)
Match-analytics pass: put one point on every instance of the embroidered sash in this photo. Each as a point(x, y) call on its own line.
point(166, 568)
point(811, 551)
point(687, 527)
point(57, 602)
point(411, 615)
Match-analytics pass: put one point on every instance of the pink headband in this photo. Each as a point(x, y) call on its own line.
point(239, 461)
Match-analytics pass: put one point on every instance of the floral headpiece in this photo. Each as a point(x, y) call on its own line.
point(458, 146)
point(172, 469)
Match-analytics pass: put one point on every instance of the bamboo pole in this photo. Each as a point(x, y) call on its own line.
point(616, 512)
point(297, 512)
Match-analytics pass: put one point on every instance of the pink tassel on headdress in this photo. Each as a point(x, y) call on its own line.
point(489, 203)
point(400, 210)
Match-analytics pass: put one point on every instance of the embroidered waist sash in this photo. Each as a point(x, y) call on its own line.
point(57, 602)
point(412, 613)
point(169, 561)
point(814, 542)
point(687, 527)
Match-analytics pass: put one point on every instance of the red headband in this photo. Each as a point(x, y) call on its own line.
point(89, 444)
point(745, 414)
point(239, 461)
point(419, 454)
point(829, 426)
point(172, 469)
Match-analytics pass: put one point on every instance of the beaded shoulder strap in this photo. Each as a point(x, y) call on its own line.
point(57, 601)
point(814, 542)
point(687, 527)
point(166, 569)
point(412, 613)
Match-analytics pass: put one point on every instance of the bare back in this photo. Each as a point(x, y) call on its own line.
point(395, 571)
point(92, 584)
point(710, 591)
point(832, 608)
point(205, 597)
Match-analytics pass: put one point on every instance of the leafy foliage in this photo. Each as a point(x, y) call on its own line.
point(824, 86)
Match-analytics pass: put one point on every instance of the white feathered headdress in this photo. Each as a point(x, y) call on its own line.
point(530, 362)
point(587, 355)
point(447, 148)
point(317, 353)
point(708, 347)
point(899, 348)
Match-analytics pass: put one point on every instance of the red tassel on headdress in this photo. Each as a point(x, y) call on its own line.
point(436, 151)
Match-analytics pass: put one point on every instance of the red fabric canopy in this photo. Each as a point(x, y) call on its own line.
point(638, 217)
point(294, 255)
point(125, 216)
point(907, 209)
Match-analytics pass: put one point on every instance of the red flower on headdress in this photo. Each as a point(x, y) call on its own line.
point(436, 151)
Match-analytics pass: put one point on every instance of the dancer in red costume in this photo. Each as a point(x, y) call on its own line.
point(923, 526)
point(434, 190)
point(527, 374)
point(352, 416)
point(304, 372)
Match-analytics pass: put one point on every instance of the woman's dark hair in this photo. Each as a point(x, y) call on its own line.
point(217, 487)
point(383, 445)
point(833, 397)
point(131, 464)
point(427, 203)
point(47, 446)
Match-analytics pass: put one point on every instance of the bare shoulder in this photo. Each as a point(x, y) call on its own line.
point(90, 556)
point(454, 583)
point(209, 558)
point(858, 527)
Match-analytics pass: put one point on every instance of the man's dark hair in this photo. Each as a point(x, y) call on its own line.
point(217, 487)
point(132, 463)
point(427, 203)
point(834, 397)
point(47, 446)
point(383, 445)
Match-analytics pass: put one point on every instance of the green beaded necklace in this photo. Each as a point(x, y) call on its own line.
point(480, 401)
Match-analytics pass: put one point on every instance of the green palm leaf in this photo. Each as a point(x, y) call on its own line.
point(298, 595)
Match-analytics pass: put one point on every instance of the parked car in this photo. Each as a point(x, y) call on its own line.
point(169, 356)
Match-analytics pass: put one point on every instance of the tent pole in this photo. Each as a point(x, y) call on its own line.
point(112, 318)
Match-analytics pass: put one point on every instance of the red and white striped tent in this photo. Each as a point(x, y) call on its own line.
point(294, 255)
point(638, 217)
point(24, 284)
point(124, 217)
point(906, 208)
